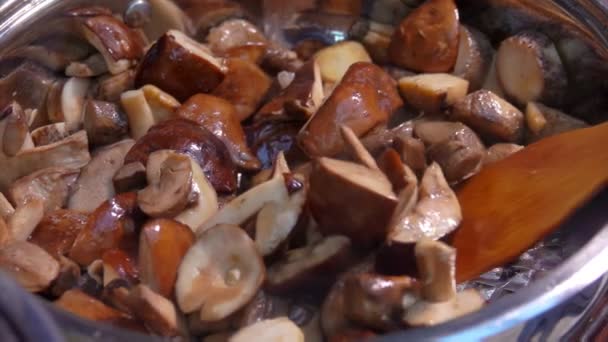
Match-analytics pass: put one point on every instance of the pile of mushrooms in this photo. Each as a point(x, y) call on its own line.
point(188, 175)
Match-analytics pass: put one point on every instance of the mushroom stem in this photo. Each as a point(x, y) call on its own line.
point(436, 263)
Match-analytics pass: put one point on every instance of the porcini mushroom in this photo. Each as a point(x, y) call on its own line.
point(424, 313)
point(92, 66)
point(104, 122)
point(32, 267)
point(51, 186)
point(432, 93)
point(437, 268)
point(58, 230)
point(555, 122)
point(15, 130)
point(335, 60)
point(48, 134)
point(130, 177)
point(25, 219)
point(273, 330)
point(157, 312)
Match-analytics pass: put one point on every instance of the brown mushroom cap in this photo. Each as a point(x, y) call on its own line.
point(117, 264)
point(186, 137)
point(220, 273)
point(58, 230)
point(104, 122)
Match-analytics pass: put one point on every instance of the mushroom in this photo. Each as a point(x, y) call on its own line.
point(336, 59)
point(235, 35)
point(54, 52)
point(381, 137)
point(220, 118)
point(117, 264)
point(267, 138)
point(433, 93)
point(427, 39)
point(94, 186)
point(377, 40)
point(454, 146)
point(555, 122)
point(25, 219)
point(263, 306)
point(111, 87)
point(120, 46)
point(374, 301)
point(371, 196)
point(300, 99)
point(207, 204)
point(169, 188)
point(130, 177)
point(116, 294)
point(529, 68)
point(162, 105)
point(180, 66)
point(310, 266)
point(498, 152)
point(138, 112)
point(92, 66)
point(389, 12)
point(71, 152)
point(187, 137)
point(162, 246)
point(104, 122)
point(69, 273)
point(364, 98)
point(155, 311)
point(474, 57)
point(436, 263)
point(273, 330)
point(14, 131)
point(6, 208)
point(355, 148)
point(49, 134)
point(491, 82)
point(165, 15)
point(424, 313)
point(219, 274)
point(58, 230)
point(399, 174)
point(206, 14)
point(412, 152)
point(110, 226)
point(72, 102)
point(51, 187)
point(236, 87)
point(29, 265)
point(436, 213)
point(490, 116)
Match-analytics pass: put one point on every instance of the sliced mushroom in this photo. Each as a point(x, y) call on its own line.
point(474, 57)
point(300, 99)
point(412, 152)
point(268, 138)
point(104, 122)
point(94, 186)
point(165, 15)
point(356, 149)
point(29, 265)
point(50, 186)
point(55, 52)
point(529, 68)
point(111, 87)
point(58, 230)
point(236, 87)
point(71, 152)
point(120, 46)
point(490, 116)
point(382, 137)
point(309, 267)
point(130, 177)
point(162, 246)
point(180, 66)
point(6, 208)
point(399, 174)
point(155, 311)
point(491, 82)
point(424, 313)
point(220, 118)
point(117, 264)
point(210, 13)
point(69, 273)
point(555, 122)
point(436, 263)
point(162, 105)
point(72, 102)
point(432, 93)
point(139, 113)
point(169, 188)
point(110, 226)
point(93, 66)
point(336, 59)
point(377, 40)
point(427, 39)
point(500, 151)
point(187, 137)
point(220, 273)
point(248, 204)
point(25, 219)
point(234, 34)
point(370, 194)
point(15, 130)
point(436, 214)
point(365, 97)
point(274, 330)
point(49, 134)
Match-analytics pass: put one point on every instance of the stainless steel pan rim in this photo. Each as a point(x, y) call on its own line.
point(587, 265)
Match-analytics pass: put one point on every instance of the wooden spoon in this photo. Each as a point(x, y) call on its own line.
point(512, 204)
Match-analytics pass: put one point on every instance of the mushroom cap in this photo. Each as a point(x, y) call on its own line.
point(220, 273)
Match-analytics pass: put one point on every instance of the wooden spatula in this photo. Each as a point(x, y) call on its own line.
point(512, 204)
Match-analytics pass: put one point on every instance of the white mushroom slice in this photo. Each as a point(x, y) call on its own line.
point(52, 186)
point(336, 59)
point(220, 273)
point(71, 152)
point(424, 313)
point(356, 148)
point(275, 222)
point(432, 93)
point(93, 66)
point(274, 330)
point(138, 111)
point(436, 214)
point(72, 102)
point(161, 104)
point(157, 312)
point(14, 131)
point(6, 208)
point(31, 266)
point(437, 269)
point(45, 135)
point(94, 186)
point(207, 204)
point(248, 204)
point(530, 69)
point(25, 219)
point(474, 57)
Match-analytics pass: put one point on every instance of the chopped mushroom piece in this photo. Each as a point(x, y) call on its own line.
point(94, 186)
point(157, 312)
point(180, 66)
point(49, 134)
point(104, 122)
point(25, 219)
point(474, 57)
point(162, 105)
point(412, 152)
point(555, 122)
point(111, 87)
point(399, 174)
point(436, 263)
point(274, 330)
point(165, 15)
point(6, 208)
point(117, 264)
point(51, 186)
point(494, 118)
point(54, 51)
point(424, 313)
point(219, 274)
point(130, 177)
point(500, 151)
point(234, 34)
point(139, 113)
point(14, 132)
point(58, 230)
point(335, 60)
point(93, 66)
point(32, 267)
point(432, 93)
point(72, 102)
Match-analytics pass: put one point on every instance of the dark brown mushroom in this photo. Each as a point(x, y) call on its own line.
point(58, 230)
point(117, 264)
point(104, 122)
point(206, 14)
point(130, 177)
point(55, 51)
point(52, 186)
point(270, 137)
